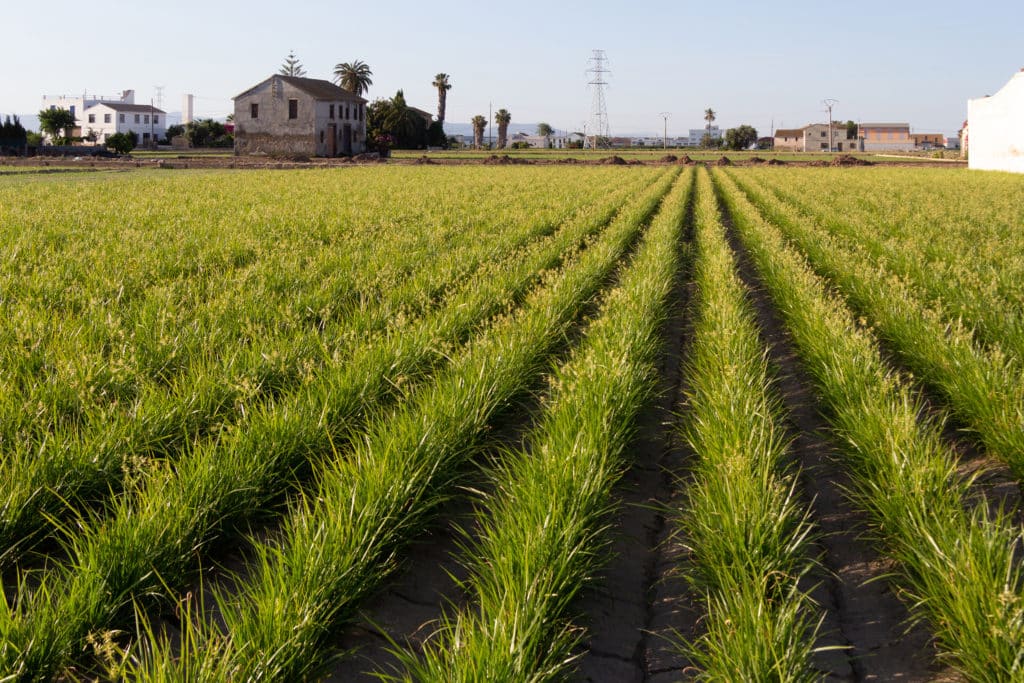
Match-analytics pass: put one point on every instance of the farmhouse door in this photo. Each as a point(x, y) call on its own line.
point(346, 139)
point(332, 135)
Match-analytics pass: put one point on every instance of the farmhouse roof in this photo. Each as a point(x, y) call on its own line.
point(789, 132)
point(316, 88)
point(884, 125)
point(131, 108)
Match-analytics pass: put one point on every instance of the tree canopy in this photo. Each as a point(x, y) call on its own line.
point(741, 137)
point(353, 76)
point(53, 122)
point(292, 66)
point(479, 124)
point(13, 135)
point(399, 125)
point(544, 129)
point(443, 86)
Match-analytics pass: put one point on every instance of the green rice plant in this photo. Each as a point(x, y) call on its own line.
point(91, 462)
point(966, 288)
point(984, 387)
point(340, 544)
point(748, 533)
point(180, 511)
point(957, 566)
point(541, 532)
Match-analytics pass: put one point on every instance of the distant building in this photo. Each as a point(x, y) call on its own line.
point(952, 142)
point(291, 116)
point(885, 137)
point(521, 139)
point(814, 138)
point(107, 118)
point(567, 141)
point(697, 135)
point(996, 127)
point(928, 140)
point(78, 104)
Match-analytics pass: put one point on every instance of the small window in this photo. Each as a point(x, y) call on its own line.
point(136, 118)
point(824, 146)
point(254, 110)
point(293, 109)
point(156, 118)
point(145, 137)
point(121, 117)
point(321, 136)
point(347, 111)
point(106, 118)
point(92, 118)
point(145, 119)
point(330, 111)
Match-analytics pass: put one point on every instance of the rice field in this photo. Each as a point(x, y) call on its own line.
point(518, 423)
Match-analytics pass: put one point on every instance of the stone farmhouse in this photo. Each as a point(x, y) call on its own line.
point(994, 137)
point(290, 116)
point(814, 138)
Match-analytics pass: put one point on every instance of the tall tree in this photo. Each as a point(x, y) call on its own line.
point(479, 124)
point(53, 122)
point(740, 138)
point(544, 129)
point(292, 66)
point(709, 116)
point(502, 117)
point(443, 86)
point(354, 76)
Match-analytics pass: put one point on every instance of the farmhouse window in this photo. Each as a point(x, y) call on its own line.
point(121, 117)
point(92, 118)
point(293, 109)
point(136, 118)
point(330, 112)
point(254, 110)
point(106, 118)
point(321, 136)
point(156, 118)
point(145, 119)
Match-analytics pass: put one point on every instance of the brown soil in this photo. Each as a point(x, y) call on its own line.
point(757, 160)
point(776, 162)
point(848, 160)
point(685, 159)
point(669, 159)
point(723, 161)
point(505, 160)
point(614, 160)
point(424, 160)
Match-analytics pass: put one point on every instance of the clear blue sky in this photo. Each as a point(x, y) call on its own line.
point(754, 63)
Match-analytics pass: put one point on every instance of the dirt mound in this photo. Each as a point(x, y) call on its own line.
point(504, 160)
point(848, 160)
point(757, 160)
point(685, 159)
point(819, 162)
point(424, 160)
point(368, 156)
point(568, 160)
point(723, 161)
point(776, 162)
point(669, 159)
point(614, 160)
point(635, 162)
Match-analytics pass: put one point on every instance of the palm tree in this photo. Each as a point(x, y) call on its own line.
point(354, 76)
point(292, 66)
point(502, 117)
point(479, 123)
point(443, 86)
point(709, 116)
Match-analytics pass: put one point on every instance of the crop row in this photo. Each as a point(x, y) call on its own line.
point(985, 387)
point(540, 535)
point(744, 523)
point(93, 462)
point(181, 511)
point(956, 564)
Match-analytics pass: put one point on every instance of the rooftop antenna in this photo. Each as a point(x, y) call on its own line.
point(598, 111)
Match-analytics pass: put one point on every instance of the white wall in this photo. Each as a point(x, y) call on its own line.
point(995, 129)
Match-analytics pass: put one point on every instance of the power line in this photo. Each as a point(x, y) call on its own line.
point(829, 103)
point(664, 134)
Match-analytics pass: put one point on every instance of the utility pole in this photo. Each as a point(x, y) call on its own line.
point(829, 103)
point(664, 133)
point(599, 111)
point(490, 131)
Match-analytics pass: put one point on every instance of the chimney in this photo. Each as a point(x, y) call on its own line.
point(187, 107)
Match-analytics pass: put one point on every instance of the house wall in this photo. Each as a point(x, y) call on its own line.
point(104, 129)
point(816, 138)
point(995, 132)
point(273, 133)
point(885, 138)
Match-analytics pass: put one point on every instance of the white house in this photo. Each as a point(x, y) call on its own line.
point(995, 129)
point(107, 118)
point(697, 134)
point(77, 104)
